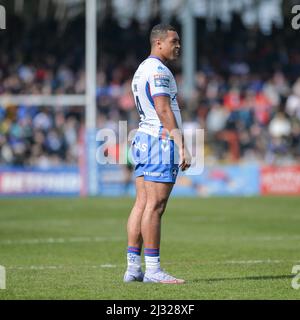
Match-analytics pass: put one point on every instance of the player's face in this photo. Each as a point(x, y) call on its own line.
point(170, 46)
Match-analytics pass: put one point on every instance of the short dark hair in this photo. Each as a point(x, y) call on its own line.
point(160, 31)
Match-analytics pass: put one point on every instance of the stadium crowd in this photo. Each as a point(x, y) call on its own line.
point(246, 96)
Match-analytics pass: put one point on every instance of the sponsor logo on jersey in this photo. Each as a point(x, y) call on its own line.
point(160, 68)
point(141, 146)
point(153, 174)
point(161, 81)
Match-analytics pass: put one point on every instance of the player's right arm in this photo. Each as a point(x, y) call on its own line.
point(168, 120)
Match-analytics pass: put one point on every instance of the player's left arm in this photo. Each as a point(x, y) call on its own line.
point(159, 86)
point(167, 118)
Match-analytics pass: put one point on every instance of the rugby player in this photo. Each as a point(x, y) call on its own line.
point(158, 151)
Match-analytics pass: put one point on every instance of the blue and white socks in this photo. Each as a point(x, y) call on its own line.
point(133, 258)
point(152, 260)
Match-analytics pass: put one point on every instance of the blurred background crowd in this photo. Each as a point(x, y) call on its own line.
point(246, 96)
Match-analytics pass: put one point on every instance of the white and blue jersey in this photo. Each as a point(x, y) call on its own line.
point(155, 155)
point(152, 79)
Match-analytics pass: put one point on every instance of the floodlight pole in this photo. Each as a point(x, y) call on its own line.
point(91, 63)
point(189, 49)
point(91, 106)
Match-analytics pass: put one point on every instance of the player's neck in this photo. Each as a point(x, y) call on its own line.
point(158, 56)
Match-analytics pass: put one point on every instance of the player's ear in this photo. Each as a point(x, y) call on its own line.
point(159, 43)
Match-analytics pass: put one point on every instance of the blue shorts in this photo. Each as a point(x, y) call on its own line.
point(156, 159)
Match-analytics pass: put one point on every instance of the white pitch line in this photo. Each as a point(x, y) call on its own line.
point(55, 267)
point(252, 261)
point(273, 238)
point(102, 266)
point(59, 240)
point(108, 266)
point(101, 239)
point(53, 240)
point(248, 238)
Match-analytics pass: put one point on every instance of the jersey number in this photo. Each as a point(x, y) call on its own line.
point(139, 107)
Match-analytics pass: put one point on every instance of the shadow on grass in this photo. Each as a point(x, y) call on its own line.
point(245, 278)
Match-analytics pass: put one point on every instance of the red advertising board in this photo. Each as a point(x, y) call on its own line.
point(280, 180)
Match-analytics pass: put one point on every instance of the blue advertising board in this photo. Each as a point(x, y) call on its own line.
point(232, 180)
point(117, 181)
point(60, 181)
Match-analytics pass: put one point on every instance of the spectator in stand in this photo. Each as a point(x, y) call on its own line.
point(247, 95)
point(293, 101)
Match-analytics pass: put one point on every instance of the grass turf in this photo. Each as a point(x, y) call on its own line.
point(225, 248)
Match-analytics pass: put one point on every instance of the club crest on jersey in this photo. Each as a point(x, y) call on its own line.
point(161, 81)
point(174, 172)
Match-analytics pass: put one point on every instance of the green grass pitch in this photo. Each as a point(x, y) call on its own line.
point(225, 248)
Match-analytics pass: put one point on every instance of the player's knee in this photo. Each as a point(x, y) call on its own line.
point(140, 204)
point(158, 206)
